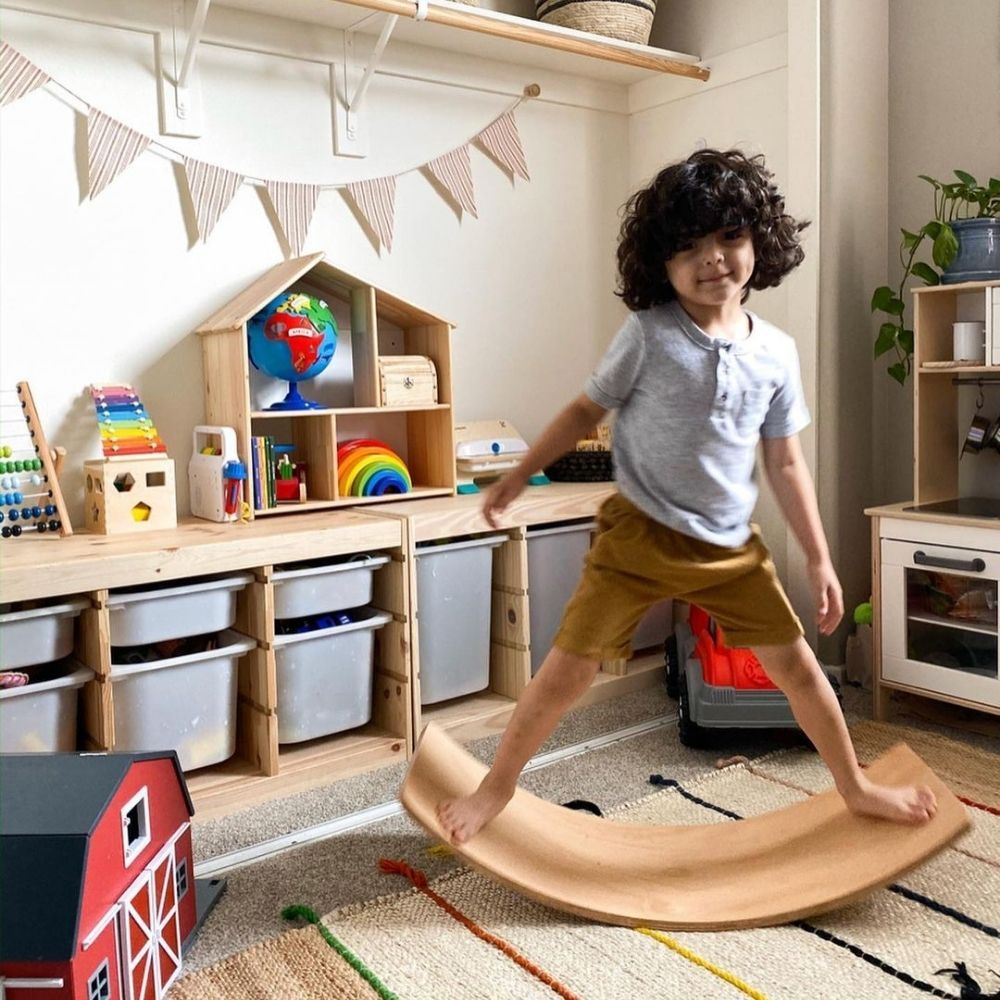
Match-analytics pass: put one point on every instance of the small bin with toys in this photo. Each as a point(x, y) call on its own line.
point(324, 585)
point(39, 708)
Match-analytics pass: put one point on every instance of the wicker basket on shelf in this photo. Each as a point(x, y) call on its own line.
point(590, 462)
point(626, 20)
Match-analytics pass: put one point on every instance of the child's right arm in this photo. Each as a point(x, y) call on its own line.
point(572, 424)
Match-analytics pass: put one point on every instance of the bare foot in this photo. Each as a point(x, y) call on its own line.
point(914, 804)
point(463, 818)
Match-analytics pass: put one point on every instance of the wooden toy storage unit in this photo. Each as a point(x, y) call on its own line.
point(92, 565)
point(381, 327)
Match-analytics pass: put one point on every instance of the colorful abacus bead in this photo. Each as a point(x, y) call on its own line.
point(50, 509)
point(5, 451)
point(18, 496)
point(36, 511)
point(13, 515)
point(16, 531)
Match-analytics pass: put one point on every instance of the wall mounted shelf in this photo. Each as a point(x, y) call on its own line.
point(494, 35)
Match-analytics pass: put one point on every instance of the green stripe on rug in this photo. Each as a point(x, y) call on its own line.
point(304, 913)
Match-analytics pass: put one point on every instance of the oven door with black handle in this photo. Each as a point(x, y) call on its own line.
point(939, 619)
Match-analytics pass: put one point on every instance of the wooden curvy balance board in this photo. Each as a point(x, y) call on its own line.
point(809, 858)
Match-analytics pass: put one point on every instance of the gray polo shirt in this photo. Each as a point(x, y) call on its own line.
point(691, 410)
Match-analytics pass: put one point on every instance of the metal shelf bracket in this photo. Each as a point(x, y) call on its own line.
point(179, 86)
point(350, 84)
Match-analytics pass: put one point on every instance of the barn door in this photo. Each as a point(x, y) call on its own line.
point(138, 953)
point(166, 918)
point(151, 932)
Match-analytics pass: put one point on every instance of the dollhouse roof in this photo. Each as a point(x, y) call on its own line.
point(52, 804)
point(312, 270)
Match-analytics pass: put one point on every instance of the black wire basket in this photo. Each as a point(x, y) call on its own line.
point(582, 467)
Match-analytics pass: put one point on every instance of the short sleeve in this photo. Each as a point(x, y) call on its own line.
point(616, 373)
point(788, 413)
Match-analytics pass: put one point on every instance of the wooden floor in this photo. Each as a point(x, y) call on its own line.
point(809, 858)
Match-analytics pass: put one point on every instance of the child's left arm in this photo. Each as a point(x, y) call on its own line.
point(793, 487)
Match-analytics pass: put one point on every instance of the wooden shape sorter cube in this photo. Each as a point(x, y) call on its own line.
point(129, 494)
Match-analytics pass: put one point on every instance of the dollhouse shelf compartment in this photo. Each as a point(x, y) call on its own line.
point(491, 34)
point(423, 434)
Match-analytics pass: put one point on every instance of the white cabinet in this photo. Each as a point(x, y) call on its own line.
point(939, 614)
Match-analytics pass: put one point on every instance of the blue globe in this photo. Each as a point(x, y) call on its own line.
point(292, 338)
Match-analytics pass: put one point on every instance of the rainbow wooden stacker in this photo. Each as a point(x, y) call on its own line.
point(132, 489)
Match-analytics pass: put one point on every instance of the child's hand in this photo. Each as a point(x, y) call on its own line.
point(500, 495)
point(828, 596)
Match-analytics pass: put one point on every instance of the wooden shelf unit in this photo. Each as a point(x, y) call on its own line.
point(261, 769)
point(491, 34)
point(486, 713)
point(935, 536)
point(423, 435)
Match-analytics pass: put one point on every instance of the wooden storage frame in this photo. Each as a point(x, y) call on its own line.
point(92, 565)
point(486, 713)
point(429, 428)
point(935, 459)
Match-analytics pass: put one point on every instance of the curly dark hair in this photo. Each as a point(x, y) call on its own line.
point(710, 190)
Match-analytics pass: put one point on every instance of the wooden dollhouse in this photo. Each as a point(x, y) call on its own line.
point(97, 889)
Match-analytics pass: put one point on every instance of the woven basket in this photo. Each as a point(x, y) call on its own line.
point(582, 467)
point(627, 20)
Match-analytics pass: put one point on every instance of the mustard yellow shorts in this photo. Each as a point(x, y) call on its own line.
point(636, 561)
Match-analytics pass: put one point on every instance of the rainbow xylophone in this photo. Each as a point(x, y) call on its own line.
point(126, 428)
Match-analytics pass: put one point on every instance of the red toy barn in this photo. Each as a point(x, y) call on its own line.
point(97, 890)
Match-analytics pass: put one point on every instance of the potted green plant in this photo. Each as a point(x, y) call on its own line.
point(964, 238)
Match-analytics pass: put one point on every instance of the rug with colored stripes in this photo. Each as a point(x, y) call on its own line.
point(934, 933)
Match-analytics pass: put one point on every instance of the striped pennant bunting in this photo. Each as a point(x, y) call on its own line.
point(18, 76)
point(294, 205)
point(502, 141)
point(212, 189)
point(111, 148)
point(454, 172)
point(376, 202)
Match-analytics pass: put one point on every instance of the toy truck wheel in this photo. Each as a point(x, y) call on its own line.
point(672, 666)
point(690, 733)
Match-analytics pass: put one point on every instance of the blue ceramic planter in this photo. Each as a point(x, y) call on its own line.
point(978, 257)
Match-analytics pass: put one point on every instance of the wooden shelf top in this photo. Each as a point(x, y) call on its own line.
point(39, 566)
point(462, 514)
point(926, 369)
point(899, 510)
point(344, 411)
point(494, 35)
point(959, 286)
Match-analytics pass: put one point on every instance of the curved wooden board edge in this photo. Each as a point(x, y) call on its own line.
point(785, 865)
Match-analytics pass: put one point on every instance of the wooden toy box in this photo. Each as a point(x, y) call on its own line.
point(407, 380)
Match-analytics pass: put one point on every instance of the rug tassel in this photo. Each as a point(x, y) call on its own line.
point(658, 779)
point(390, 867)
point(300, 913)
point(971, 990)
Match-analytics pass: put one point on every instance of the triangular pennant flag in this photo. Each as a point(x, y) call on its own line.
point(294, 205)
point(376, 201)
point(18, 76)
point(212, 189)
point(502, 142)
point(454, 172)
point(111, 147)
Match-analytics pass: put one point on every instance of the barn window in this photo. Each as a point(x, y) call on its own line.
point(99, 984)
point(135, 825)
point(182, 878)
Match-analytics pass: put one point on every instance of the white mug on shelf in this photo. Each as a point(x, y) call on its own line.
point(969, 341)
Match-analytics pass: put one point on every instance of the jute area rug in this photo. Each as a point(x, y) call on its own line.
point(934, 933)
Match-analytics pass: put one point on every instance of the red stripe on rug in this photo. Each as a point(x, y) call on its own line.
point(992, 810)
point(419, 881)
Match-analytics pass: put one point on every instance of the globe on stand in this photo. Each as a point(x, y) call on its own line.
point(293, 338)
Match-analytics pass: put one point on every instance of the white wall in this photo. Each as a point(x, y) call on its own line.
point(110, 289)
point(944, 113)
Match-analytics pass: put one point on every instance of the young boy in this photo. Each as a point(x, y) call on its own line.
point(697, 382)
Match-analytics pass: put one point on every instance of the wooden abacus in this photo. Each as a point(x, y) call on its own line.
point(30, 496)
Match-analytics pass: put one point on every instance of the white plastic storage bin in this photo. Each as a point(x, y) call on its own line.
point(38, 635)
point(41, 717)
point(325, 678)
point(172, 611)
point(555, 564)
point(185, 703)
point(454, 604)
point(315, 588)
